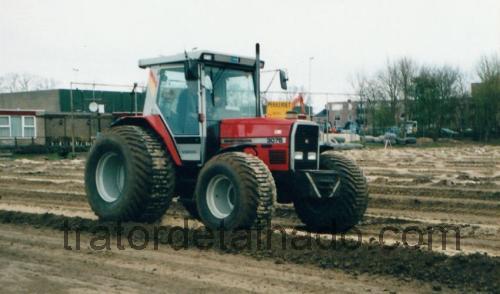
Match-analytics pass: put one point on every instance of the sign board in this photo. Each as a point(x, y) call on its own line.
point(278, 109)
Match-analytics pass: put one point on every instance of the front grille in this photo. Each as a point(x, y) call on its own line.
point(306, 141)
point(277, 156)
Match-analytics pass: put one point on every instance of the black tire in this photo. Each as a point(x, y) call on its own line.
point(342, 212)
point(254, 191)
point(148, 180)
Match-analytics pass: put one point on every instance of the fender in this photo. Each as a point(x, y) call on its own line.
point(155, 123)
point(325, 147)
point(239, 147)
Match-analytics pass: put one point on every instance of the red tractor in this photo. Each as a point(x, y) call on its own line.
point(202, 137)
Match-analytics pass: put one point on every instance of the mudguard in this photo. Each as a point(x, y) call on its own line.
point(155, 123)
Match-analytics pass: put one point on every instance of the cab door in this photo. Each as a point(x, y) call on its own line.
point(179, 103)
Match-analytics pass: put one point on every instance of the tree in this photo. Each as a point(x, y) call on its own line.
point(407, 69)
point(375, 107)
point(486, 96)
point(436, 92)
point(388, 80)
point(425, 92)
point(435, 96)
point(19, 82)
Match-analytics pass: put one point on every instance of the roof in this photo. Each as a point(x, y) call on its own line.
point(20, 111)
point(322, 113)
point(199, 55)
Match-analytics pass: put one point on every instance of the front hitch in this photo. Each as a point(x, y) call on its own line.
point(319, 184)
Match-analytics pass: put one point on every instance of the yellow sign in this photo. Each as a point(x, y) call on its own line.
point(278, 109)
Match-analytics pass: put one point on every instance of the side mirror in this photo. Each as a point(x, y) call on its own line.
point(283, 79)
point(191, 70)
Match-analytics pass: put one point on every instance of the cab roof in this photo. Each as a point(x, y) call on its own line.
point(201, 55)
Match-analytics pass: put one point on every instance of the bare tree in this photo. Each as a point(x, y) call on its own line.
point(19, 82)
point(388, 80)
point(407, 70)
point(376, 105)
point(488, 68)
point(436, 96)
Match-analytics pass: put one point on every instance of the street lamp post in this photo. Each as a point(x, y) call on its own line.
point(72, 119)
point(310, 87)
point(75, 71)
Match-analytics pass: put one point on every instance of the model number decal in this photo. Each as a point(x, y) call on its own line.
point(270, 140)
point(276, 140)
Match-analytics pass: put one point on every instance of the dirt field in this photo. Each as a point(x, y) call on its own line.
point(410, 188)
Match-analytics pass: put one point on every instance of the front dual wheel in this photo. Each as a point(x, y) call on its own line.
point(346, 208)
point(235, 190)
point(220, 196)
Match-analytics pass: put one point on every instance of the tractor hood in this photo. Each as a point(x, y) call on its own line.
point(255, 128)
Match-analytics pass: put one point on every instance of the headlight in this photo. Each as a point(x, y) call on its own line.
point(298, 155)
point(311, 156)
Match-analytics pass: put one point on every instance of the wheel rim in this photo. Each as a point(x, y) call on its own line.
point(220, 196)
point(110, 176)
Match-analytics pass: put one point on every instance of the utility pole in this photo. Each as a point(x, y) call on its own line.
point(75, 71)
point(72, 119)
point(310, 87)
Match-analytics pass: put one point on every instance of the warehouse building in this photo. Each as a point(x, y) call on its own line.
point(51, 117)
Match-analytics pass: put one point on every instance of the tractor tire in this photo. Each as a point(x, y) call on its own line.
point(129, 175)
point(235, 190)
point(345, 210)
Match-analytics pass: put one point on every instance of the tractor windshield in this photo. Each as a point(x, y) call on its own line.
point(230, 93)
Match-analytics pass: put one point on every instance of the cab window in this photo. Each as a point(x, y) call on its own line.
point(178, 101)
point(231, 93)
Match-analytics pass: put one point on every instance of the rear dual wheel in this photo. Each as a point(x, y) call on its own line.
point(129, 175)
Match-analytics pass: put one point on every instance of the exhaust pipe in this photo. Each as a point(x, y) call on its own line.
point(257, 78)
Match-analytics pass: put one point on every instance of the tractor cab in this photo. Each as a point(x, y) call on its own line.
point(195, 92)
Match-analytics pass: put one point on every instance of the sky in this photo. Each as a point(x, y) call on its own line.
point(328, 41)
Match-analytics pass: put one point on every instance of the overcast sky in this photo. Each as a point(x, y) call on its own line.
point(104, 39)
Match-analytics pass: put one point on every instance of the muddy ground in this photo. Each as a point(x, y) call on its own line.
point(413, 189)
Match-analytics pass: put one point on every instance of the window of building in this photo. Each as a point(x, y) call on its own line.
point(336, 107)
point(5, 126)
point(29, 129)
point(17, 126)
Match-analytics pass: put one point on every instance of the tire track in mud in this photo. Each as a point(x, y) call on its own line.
point(56, 196)
point(472, 238)
point(459, 272)
point(459, 192)
point(381, 196)
point(34, 261)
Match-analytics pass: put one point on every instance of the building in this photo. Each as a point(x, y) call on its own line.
point(53, 117)
point(338, 114)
